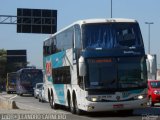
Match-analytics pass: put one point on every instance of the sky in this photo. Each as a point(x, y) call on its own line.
point(70, 11)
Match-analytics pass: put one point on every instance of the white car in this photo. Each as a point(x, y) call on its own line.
point(41, 95)
point(37, 89)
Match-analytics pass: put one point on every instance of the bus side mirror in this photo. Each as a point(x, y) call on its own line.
point(151, 64)
point(82, 66)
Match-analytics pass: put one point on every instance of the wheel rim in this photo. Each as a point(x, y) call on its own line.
point(72, 107)
point(51, 101)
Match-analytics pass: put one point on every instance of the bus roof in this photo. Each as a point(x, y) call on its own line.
point(28, 69)
point(11, 73)
point(100, 20)
point(104, 20)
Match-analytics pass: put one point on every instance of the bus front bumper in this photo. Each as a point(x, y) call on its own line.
point(115, 106)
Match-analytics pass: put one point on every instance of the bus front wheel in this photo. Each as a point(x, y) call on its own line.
point(77, 110)
point(71, 107)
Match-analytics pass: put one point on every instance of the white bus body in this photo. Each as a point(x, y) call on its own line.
point(94, 65)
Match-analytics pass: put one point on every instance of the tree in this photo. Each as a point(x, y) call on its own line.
point(3, 63)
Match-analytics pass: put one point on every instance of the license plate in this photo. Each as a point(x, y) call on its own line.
point(118, 106)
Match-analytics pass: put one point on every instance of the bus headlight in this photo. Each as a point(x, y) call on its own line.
point(139, 97)
point(93, 98)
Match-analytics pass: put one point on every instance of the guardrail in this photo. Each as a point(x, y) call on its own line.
point(6, 103)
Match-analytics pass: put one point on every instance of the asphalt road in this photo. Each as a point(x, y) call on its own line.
point(29, 104)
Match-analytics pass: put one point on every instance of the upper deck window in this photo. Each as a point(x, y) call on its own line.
point(111, 35)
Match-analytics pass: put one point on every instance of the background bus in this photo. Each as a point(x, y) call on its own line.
point(97, 65)
point(11, 82)
point(27, 79)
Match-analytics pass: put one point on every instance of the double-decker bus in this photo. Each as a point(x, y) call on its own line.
point(11, 82)
point(96, 65)
point(27, 79)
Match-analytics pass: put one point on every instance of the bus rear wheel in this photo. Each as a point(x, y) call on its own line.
point(52, 102)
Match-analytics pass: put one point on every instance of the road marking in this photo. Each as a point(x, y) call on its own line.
point(13, 97)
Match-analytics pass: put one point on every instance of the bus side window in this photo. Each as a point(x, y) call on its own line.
point(46, 50)
point(68, 38)
point(78, 37)
point(77, 45)
point(61, 75)
point(53, 46)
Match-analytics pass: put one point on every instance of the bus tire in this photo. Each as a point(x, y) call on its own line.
point(77, 110)
point(52, 102)
point(68, 100)
point(71, 107)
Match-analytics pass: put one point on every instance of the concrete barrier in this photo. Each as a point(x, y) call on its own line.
point(7, 103)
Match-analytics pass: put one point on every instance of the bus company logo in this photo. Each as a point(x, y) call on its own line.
point(49, 68)
point(131, 52)
point(118, 98)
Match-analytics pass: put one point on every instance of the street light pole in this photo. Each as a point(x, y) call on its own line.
point(149, 23)
point(111, 8)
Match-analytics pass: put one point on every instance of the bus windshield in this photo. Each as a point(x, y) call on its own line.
point(132, 72)
point(111, 35)
point(31, 76)
point(12, 78)
point(120, 73)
